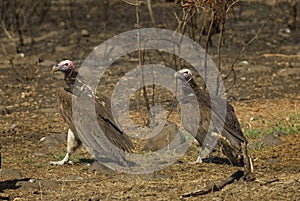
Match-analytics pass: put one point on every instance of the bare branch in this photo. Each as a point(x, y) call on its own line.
point(241, 52)
point(149, 5)
point(233, 3)
point(6, 32)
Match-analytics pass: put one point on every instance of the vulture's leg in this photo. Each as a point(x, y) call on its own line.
point(198, 160)
point(206, 151)
point(205, 155)
point(72, 145)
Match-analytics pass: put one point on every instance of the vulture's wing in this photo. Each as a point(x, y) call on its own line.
point(232, 137)
point(111, 141)
point(231, 129)
point(105, 118)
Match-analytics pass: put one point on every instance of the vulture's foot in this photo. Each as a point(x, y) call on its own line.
point(63, 161)
point(199, 160)
point(60, 162)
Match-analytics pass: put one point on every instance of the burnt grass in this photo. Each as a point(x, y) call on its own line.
point(265, 96)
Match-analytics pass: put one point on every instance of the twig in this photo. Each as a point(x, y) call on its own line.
point(233, 3)
point(208, 38)
point(130, 3)
point(149, 5)
point(281, 55)
point(0, 157)
point(248, 164)
point(292, 22)
point(222, 25)
point(266, 182)
point(215, 186)
point(20, 33)
point(148, 120)
point(176, 89)
point(14, 69)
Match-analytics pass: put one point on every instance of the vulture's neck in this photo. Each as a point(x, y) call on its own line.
point(82, 88)
point(191, 88)
point(70, 80)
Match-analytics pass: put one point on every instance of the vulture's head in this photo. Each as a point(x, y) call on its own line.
point(184, 75)
point(66, 67)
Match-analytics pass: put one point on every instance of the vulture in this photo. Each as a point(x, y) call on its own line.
point(225, 129)
point(81, 132)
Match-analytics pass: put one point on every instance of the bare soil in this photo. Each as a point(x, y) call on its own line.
point(266, 95)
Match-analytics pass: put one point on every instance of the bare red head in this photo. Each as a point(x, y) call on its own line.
point(65, 66)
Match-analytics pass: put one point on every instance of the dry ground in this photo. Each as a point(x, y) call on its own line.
point(266, 99)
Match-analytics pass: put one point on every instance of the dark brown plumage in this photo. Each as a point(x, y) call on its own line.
point(226, 128)
point(114, 143)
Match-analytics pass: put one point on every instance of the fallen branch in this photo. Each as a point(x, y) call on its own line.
point(216, 186)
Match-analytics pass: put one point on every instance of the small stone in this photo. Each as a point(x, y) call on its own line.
point(267, 142)
point(244, 63)
point(280, 133)
point(85, 33)
point(61, 24)
point(4, 110)
point(13, 127)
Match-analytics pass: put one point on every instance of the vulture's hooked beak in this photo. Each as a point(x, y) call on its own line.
point(184, 75)
point(55, 68)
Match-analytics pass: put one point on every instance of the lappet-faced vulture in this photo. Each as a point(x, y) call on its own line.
point(112, 142)
point(214, 126)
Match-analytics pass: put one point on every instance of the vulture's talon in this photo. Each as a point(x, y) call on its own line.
point(195, 162)
point(57, 162)
point(63, 161)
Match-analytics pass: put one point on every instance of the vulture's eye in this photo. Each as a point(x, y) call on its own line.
point(66, 64)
